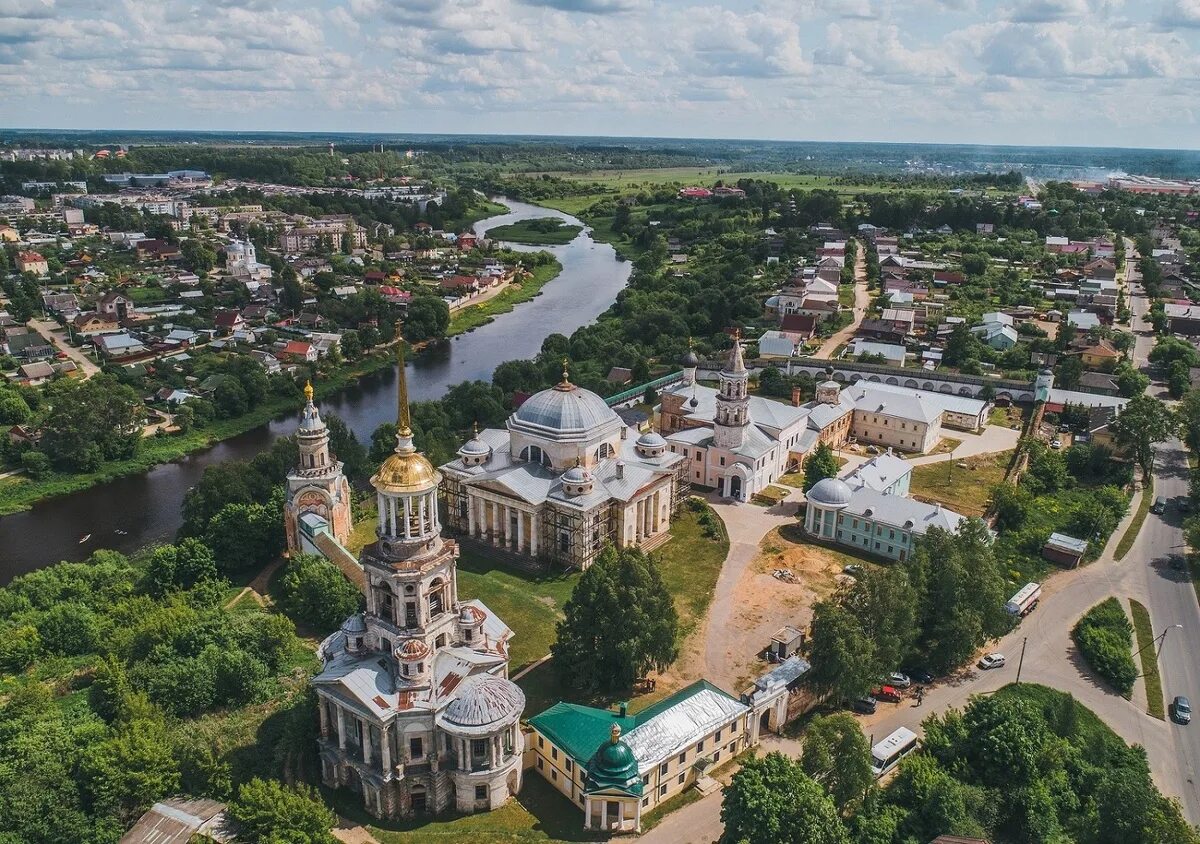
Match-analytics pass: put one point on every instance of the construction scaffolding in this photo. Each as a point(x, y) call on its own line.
point(454, 504)
point(681, 489)
point(574, 538)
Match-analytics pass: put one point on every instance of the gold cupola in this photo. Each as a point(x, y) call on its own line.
point(406, 471)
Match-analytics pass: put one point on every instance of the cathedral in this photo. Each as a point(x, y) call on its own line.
point(318, 495)
point(563, 478)
point(417, 713)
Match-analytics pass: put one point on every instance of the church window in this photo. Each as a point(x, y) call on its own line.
point(646, 779)
point(554, 753)
point(416, 747)
point(404, 669)
point(410, 614)
point(682, 757)
point(722, 460)
point(699, 455)
point(481, 792)
point(541, 765)
point(570, 766)
point(605, 450)
point(700, 746)
point(440, 641)
point(553, 778)
point(662, 789)
point(564, 541)
point(682, 777)
point(541, 742)
point(717, 756)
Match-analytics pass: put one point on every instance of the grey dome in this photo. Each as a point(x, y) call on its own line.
point(355, 624)
point(577, 475)
point(689, 359)
point(483, 703)
point(830, 492)
point(474, 447)
point(564, 410)
point(651, 439)
point(310, 419)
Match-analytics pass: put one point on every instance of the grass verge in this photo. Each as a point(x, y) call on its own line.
point(1144, 631)
point(473, 316)
point(1131, 532)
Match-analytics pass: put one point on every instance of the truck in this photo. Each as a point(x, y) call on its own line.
point(1027, 597)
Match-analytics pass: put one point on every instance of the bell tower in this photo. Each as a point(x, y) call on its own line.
point(733, 400)
point(317, 486)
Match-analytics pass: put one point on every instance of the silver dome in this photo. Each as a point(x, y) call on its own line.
point(483, 703)
point(689, 359)
point(577, 475)
point(355, 624)
point(310, 419)
point(563, 412)
point(651, 439)
point(830, 492)
point(474, 447)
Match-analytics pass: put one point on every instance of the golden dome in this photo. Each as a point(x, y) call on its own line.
point(405, 473)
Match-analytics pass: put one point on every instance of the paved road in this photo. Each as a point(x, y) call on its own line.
point(862, 300)
point(58, 336)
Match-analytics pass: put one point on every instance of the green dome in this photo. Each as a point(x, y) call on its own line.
point(613, 765)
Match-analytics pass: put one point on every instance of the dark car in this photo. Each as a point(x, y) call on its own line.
point(1181, 710)
point(919, 675)
point(865, 705)
point(889, 693)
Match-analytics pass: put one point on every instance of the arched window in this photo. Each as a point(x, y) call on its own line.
point(605, 450)
point(534, 454)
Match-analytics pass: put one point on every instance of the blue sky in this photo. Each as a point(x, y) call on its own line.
point(1073, 72)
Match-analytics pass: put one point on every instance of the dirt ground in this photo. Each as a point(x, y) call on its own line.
point(766, 603)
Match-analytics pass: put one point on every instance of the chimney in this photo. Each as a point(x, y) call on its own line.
point(624, 708)
point(624, 431)
point(620, 469)
point(796, 396)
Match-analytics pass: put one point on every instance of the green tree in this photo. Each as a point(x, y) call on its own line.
point(821, 464)
point(127, 773)
point(619, 623)
point(770, 800)
point(1142, 424)
point(352, 347)
point(198, 256)
point(273, 812)
point(838, 756)
point(844, 658)
point(314, 591)
point(428, 318)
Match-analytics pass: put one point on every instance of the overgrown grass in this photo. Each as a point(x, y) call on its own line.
point(20, 493)
point(1135, 526)
point(1144, 631)
point(542, 231)
point(473, 316)
point(968, 490)
point(690, 565)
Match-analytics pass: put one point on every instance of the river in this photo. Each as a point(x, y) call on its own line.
point(129, 513)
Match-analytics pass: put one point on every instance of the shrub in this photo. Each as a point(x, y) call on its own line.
point(314, 591)
point(1105, 637)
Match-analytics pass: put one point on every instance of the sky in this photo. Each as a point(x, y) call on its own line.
point(1063, 72)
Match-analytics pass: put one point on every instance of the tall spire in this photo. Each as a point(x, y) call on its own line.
point(308, 392)
point(565, 385)
point(736, 363)
point(404, 443)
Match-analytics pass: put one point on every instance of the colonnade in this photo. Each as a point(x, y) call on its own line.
point(408, 517)
point(493, 520)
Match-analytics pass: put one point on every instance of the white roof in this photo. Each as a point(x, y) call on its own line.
point(681, 726)
point(888, 350)
point(879, 473)
point(942, 401)
point(1083, 319)
point(902, 512)
point(1182, 311)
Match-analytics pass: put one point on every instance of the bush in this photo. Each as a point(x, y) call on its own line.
point(1105, 638)
point(314, 591)
point(271, 811)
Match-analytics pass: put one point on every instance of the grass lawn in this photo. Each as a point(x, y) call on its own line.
point(846, 295)
point(967, 491)
point(946, 445)
point(473, 316)
point(690, 564)
point(542, 231)
point(770, 496)
point(1144, 631)
point(540, 813)
point(1007, 417)
point(1135, 526)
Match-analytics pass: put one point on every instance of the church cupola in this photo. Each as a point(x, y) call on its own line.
point(689, 362)
point(318, 491)
point(406, 485)
point(475, 452)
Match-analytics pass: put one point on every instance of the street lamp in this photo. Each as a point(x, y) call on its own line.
point(1163, 638)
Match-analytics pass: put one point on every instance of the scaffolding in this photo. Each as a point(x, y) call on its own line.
point(455, 505)
point(574, 538)
point(681, 489)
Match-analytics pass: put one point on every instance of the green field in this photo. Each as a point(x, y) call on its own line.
point(541, 231)
point(1139, 517)
point(966, 490)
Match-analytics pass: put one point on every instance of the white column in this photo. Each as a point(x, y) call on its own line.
point(386, 749)
point(366, 743)
point(534, 531)
point(604, 814)
point(392, 509)
point(520, 531)
point(324, 710)
point(421, 521)
point(381, 509)
point(470, 515)
point(495, 523)
point(341, 721)
point(508, 534)
point(407, 518)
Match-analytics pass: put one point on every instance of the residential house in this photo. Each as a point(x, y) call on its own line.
point(35, 372)
point(115, 306)
point(780, 344)
point(32, 262)
point(120, 345)
point(299, 351)
point(1101, 355)
point(1182, 319)
point(892, 354)
point(268, 361)
point(1101, 268)
point(155, 249)
point(28, 345)
point(885, 331)
point(802, 325)
point(1084, 320)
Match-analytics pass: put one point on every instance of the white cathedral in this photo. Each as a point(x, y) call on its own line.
point(416, 709)
point(564, 477)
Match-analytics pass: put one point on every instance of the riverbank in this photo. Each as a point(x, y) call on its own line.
point(541, 231)
point(474, 316)
point(19, 493)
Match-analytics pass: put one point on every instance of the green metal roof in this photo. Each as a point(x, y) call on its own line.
point(580, 730)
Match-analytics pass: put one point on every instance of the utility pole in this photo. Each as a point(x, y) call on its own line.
point(1021, 661)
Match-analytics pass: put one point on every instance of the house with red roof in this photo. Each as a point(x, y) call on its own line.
point(694, 193)
point(32, 262)
point(298, 351)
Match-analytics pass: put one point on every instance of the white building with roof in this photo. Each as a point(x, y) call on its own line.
point(907, 419)
point(738, 443)
point(563, 478)
point(416, 712)
point(872, 521)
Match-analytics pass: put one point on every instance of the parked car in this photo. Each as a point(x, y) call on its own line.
point(1181, 710)
point(919, 675)
point(872, 449)
point(899, 679)
point(854, 570)
point(1056, 443)
point(992, 661)
point(889, 693)
point(1159, 506)
point(865, 705)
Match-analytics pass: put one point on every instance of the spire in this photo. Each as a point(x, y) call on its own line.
point(308, 392)
point(736, 364)
point(615, 733)
point(404, 443)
